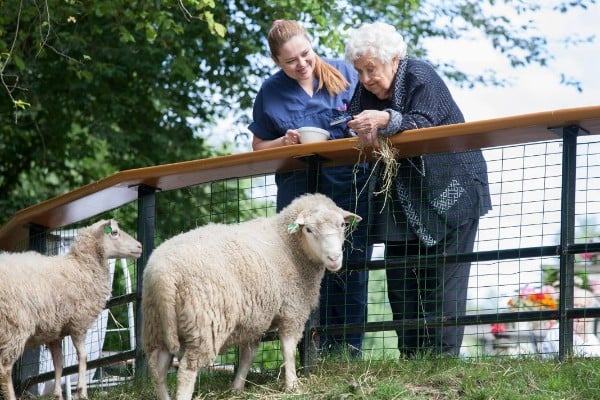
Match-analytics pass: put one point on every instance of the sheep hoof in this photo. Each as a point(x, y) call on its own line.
point(292, 387)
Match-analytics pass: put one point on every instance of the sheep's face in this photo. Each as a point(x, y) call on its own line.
point(118, 243)
point(323, 231)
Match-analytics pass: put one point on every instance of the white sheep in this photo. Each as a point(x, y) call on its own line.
point(45, 298)
point(222, 285)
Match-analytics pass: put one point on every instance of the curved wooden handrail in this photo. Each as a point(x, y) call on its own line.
point(120, 188)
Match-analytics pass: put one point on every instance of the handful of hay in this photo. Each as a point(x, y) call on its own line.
point(386, 154)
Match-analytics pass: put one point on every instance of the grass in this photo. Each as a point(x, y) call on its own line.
point(433, 378)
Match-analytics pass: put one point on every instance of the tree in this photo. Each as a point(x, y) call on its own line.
point(90, 88)
point(96, 87)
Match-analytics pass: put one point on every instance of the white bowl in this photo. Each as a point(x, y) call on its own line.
point(311, 134)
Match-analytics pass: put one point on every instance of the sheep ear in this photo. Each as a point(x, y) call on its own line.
point(300, 219)
point(352, 219)
point(295, 226)
point(111, 227)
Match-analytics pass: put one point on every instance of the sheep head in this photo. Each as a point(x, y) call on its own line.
point(116, 242)
point(323, 231)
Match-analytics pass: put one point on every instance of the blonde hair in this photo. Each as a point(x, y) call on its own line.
point(328, 76)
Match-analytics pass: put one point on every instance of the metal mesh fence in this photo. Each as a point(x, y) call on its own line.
point(512, 269)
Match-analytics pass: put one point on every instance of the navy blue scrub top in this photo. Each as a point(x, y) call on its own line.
point(281, 104)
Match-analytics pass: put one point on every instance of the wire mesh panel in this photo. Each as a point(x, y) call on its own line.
point(527, 190)
point(507, 296)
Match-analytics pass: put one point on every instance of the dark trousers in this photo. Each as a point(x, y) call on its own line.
point(343, 301)
point(418, 291)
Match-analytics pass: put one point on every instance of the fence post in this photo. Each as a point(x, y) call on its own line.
point(567, 238)
point(145, 234)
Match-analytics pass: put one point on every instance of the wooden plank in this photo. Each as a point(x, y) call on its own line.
point(120, 188)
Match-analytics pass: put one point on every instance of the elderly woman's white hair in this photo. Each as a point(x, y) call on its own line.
point(379, 40)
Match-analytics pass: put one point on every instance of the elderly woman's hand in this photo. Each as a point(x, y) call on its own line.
point(366, 124)
point(368, 139)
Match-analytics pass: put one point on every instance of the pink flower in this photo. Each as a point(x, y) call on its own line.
point(497, 328)
point(594, 285)
point(527, 290)
point(589, 256)
point(548, 289)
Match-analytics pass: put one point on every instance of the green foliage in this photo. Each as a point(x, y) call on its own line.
point(218, 202)
point(379, 345)
point(106, 91)
point(118, 336)
point(552, 275)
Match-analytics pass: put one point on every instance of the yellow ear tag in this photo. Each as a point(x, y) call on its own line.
point(293, 228)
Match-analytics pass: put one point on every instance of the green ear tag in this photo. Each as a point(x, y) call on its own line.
point(107, 229)
point(293, 227)
point(353, 222)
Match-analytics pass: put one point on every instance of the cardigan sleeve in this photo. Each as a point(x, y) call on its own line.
point(394, 125)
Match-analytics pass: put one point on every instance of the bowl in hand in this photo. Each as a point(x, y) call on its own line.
point(311, 134)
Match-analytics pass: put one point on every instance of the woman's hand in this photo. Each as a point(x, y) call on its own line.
point(291, 137)
point(366, 124)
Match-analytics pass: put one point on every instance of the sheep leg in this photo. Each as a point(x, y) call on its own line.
point(288, 347)
point(6, 384)
point(186, 378)
point(159, 363)
point(79, 343)
point(55, 348)
point(247, 353)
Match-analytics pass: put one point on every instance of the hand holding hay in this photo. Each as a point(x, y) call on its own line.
point(366, 126)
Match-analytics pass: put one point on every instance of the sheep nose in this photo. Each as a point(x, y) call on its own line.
point(334, 262)
point(334, 258)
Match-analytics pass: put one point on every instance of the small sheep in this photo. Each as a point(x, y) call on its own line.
point(45, 298)
point(222, 285)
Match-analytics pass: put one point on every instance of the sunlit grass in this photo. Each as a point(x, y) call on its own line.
point(433, 378)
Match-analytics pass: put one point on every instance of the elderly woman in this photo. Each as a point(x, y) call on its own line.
point(434, 202)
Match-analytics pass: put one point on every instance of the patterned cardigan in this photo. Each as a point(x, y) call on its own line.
point(438, 192)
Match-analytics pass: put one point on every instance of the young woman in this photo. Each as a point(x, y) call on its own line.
point(311, 91)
